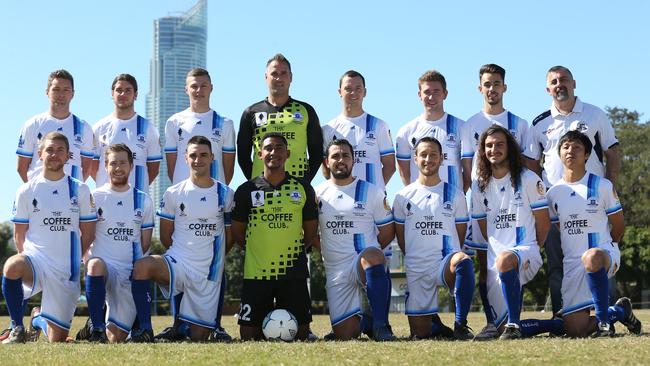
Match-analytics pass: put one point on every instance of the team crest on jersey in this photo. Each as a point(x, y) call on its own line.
point(298, 117)
point(295, 196)
point(257, 198)
point(74, 203)
point(182, 208)
point(78, 139)
point(371, 138)
point(592, 205)
point(260, 118)
point(141, 140)
point(448, 208)
point(451, 140)
point(541, 189)
point(138, 213)
point(581, 126)
point(359, 208)
point(216, 132)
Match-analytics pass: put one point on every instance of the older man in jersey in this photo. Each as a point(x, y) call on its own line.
point(355, 222)
point(54, 224)
point(195, 229)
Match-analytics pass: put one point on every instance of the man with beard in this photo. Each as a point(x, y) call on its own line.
point(54, 224)
point(125, 126)
point(195, 229)
point(431, 220)
point(567, 113)
point(60, 91)
point(492, 85)
point(356, 223)
point(123, 234)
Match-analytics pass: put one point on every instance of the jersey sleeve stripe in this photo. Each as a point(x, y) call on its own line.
point(164, 215)
point(386, 152)
point(385, 221)
point(538, 205)
point(614, 210)
point(467, 155)
point(403, 157)
point(400, 221)
point(18, 220)
point(228, 149)
point(148, 225)
point(24, 153)
point(478, 216)
point(87, 154)
point(154, 158)
point(171, 149)
point(555, 219)
point(460, 220)
point(88, 218)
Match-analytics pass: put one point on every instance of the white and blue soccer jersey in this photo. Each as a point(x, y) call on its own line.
point(581, 208)
point(348, 217)
point(429, 216)
point(508, 211)
point(121, 217)
point(547, 129)
point(53, 211)
point(184, 125)
point(481, 121)
point(199, 215)
point(78, 132)
point(371, 139)
point(140, 135)
point(448, 131)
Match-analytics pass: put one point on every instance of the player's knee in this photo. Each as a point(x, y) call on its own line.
point(506, 261)
point(372, 257)
point(594, 259)
point(457, 258)
point(15, 266)
point(141, 268)
point(96, 267)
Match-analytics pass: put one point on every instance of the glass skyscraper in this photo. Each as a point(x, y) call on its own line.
point(179, 44)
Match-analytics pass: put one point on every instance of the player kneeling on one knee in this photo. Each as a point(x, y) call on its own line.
point(195, 229)
point(355, 223)
point(431, 219)
point(585, 206)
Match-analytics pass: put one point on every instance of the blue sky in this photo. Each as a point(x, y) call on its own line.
point(605, 44)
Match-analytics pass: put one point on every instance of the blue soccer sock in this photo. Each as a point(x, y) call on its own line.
point(377, 290)
point(435, 328)
point(222, 292)
point(511, 288)
point(142, 299)
point(487, 309)
point(184, 328)
point(12, 290)
point(615, 313)
point(390, 286)
point(599, 287)
point(532, 327)
point(464, 289)
point(96, 297)
point(40, 323)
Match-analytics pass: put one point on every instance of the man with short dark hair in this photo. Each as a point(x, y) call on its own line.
point(274, 218)
point(125, 126)
point(60, 91)
point(295, 120)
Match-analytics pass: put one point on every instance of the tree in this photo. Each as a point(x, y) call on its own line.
point(7, 246)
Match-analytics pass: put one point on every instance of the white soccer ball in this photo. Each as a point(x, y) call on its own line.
point(280, 324)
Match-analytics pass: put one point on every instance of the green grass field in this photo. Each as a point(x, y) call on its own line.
point(624, 349)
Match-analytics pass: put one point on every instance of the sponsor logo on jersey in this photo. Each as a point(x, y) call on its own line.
point(339, 225)
point(408, 209)
point(429, 226)
point(182, 208)
point(203, 227)
point(138, 213)
point(257, 198)
point(575, 225)
point(505, 219)
point(180, 134)
point(260, 118)
point(100, 214)
point(120, 232)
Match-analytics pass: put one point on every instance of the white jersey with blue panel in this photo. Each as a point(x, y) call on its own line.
point(349, 217)
point(481, 121)
point(508, 211)
point(121, 217)
point(140, 135)
point(370, 137)
point(448, 131)
point(200, 216)
point(78, 132)
point(53, 211)
point(184, 125)
point(429, 216)
point(581, 208)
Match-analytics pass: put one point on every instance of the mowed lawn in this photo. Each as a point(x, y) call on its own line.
point(624, 349)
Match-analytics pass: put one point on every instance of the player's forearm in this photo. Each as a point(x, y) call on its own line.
point(617, 222)
point(388, 167)
point(386, 235)
point(94, 168)
point(404, 171)
point(145, 239)
point(542, 227)
point(87, 230)
point(613, 166)
point(399, 234)
point(171, 164)
point(19, 236)
point(239, 233)
point(228, 167)
point(87, 168)
point(153, 168)
point(467, 174)
point(461, 229)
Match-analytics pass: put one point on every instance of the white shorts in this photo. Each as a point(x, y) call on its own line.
point(530, 261)
point(344, 291)
point(474, 239)
point(60, 295)
point(119, 299)
point(200, 296)
point(422, 288)
point(576, 294)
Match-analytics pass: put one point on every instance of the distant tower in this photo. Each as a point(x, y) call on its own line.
point(179, 44)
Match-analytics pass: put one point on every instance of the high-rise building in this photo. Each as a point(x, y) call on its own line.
point(179, 44)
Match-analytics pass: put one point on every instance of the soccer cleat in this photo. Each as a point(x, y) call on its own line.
point(5, 334)
point(311, 337)
point(329, 337)
point(383, 334)
point(488, 333)
point(141, 336)
point(462, 332)
point(84, 333)
point(631, 322)
point(171, 335)
point(604, 330)
point(219, 335)
point(98, 335)
point(33, 333)
point(17, 335)
point(511, 331)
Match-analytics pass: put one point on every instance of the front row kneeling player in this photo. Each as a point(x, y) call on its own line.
point(355, 224)
point(509, 203)
point(431, 220)
point(54, 224)
point(584, 205)
point(195, 227)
